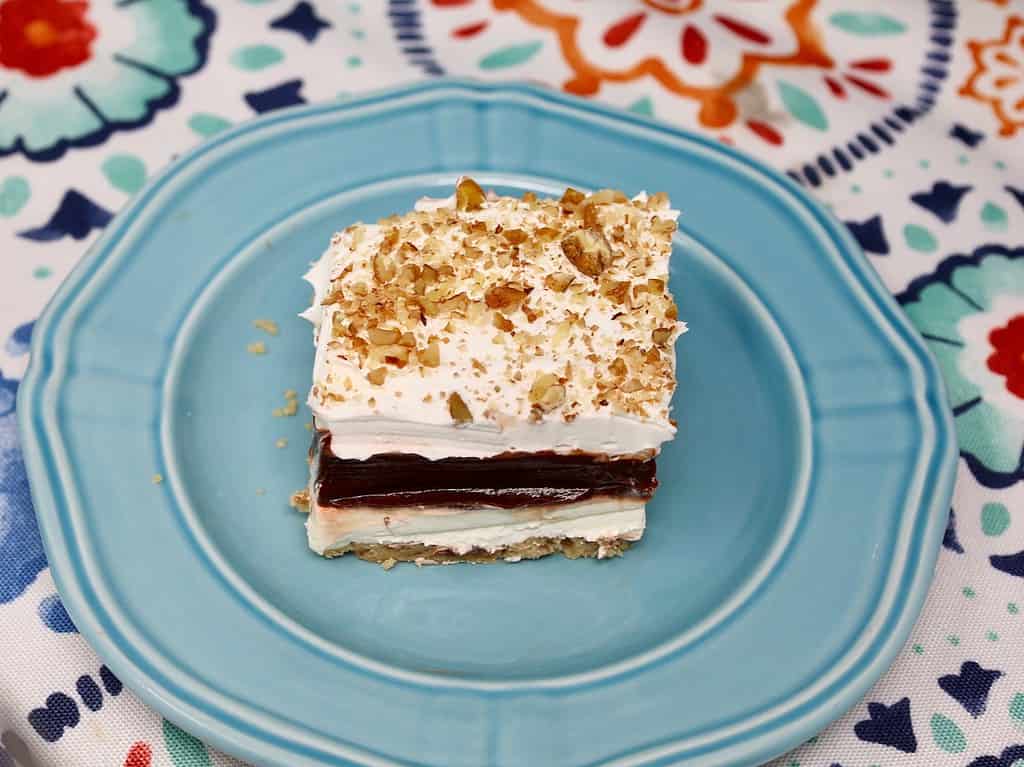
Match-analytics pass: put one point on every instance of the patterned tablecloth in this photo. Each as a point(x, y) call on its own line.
point(905, 117)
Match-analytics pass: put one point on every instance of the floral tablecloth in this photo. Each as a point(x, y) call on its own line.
point(905, 117)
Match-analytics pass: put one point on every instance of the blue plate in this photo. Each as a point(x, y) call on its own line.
point(788, 550)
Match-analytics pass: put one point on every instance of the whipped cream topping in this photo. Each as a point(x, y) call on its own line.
point(479, 331)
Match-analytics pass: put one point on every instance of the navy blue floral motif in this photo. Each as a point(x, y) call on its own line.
point(1011, 564)
point(969, 137)
point(287, 94)
point(950, 540)
point(89, 692)
point(1018, 194)
point(407, 24)
point(889, 726)
point(870, 235)
point(1009, 758)
point(303, 21)
point(76, 216)
point(970, 688)
point(110, 682)
point(943, 199)
point(60, 713)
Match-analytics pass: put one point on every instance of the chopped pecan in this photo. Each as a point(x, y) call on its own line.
point(468, 194)
point(588, 251)
point(458, 409)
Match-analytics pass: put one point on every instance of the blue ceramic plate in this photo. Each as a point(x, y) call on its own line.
point(787, 552)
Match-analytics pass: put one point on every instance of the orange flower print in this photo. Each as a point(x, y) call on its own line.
point(717, 53)
point(998, 76)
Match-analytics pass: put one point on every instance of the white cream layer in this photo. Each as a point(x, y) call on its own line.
point(360, 438)
point(462, 530)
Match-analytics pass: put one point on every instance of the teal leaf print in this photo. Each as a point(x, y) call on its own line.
point(511, 56)
point(642, 106)
point(802, 106)
point(919, 238)
point(125, 171)
point(1017, 710)
point(994, 217)
point(185, 750)
point(995, 518)
point(207, 124)
point(14, 193)
point(947, 735)
point(867, 24)
point(254, 57)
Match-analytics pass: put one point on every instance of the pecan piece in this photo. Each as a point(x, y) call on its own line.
point(468, 194)
point(588, 251)
point(458, 409)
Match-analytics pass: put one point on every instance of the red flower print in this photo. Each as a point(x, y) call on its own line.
point(41, 37)
point(140, 755)
point(1008, 357)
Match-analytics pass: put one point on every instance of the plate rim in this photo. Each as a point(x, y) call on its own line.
point(37, 416)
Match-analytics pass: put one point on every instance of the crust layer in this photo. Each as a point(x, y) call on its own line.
point(532, 548)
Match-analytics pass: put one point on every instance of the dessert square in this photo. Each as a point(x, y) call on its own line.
point(493, 377)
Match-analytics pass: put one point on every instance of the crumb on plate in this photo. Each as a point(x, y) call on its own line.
point(300, 500)
point(267, 326)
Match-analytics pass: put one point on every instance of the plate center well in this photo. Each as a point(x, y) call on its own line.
point(731, 483)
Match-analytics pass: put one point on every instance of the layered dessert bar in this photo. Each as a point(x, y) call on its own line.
point(493, 377)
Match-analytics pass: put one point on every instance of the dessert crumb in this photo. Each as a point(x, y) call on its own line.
point(291, 405)
point(282, 442)
point(158, 478)
point(256, 347)
point(261, 491)
point(267, 326)
point(387, 564)
point(300, 500)
point(308, 425)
